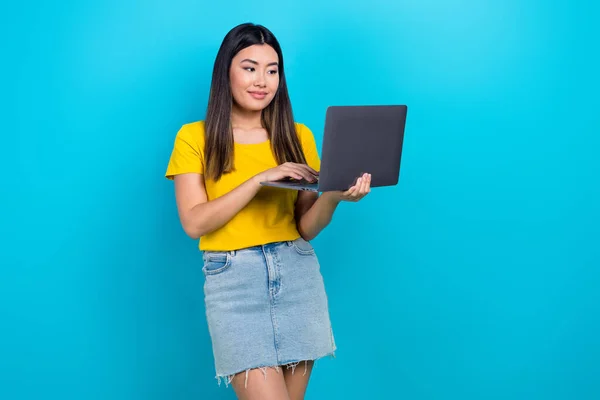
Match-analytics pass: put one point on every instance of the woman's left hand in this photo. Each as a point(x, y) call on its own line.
point(356, 192)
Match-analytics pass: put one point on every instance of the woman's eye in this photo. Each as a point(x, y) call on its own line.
point(252, 69)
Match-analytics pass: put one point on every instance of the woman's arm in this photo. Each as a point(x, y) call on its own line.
point(314, 212)
point(199, 216)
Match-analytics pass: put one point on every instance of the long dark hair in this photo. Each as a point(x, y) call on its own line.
point(277, 118)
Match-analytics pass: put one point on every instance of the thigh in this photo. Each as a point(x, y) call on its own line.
point(296, 378)
point(260, 384)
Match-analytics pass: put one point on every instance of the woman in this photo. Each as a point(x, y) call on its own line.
point(265, 298)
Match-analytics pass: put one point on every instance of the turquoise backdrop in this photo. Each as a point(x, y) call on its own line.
point(477, 277)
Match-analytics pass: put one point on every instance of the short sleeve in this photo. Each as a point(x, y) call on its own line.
point(309, 146)
point(187, 155)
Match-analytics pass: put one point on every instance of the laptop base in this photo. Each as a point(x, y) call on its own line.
point(307, 186)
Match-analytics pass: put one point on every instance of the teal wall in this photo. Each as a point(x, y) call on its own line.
point(477, 277)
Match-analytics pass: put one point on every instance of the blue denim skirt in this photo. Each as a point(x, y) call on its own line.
point(266, 306)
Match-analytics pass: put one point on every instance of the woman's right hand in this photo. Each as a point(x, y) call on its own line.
point(288, 170)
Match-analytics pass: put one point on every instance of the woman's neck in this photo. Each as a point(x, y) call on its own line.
point(245, 119)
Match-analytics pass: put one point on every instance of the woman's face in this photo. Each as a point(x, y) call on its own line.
point(254, 77)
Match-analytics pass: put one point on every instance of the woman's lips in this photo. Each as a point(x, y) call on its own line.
point(258, 95)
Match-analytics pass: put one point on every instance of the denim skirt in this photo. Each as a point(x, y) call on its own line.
point(266, 306)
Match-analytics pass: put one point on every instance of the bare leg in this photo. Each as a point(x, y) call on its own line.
point(296, 379)
point(260, 384)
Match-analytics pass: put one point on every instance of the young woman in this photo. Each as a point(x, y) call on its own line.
point(265, 299)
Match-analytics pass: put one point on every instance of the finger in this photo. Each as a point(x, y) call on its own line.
point(360, 184)
point(305, 172)
point(305, 167)
point(354, 188)
point(310, 169)
point(348, 193)
point(293, 174)
point(292, 171)
point(356, 192)
point(365, 185)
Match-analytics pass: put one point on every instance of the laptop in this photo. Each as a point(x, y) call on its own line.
point(357, 140)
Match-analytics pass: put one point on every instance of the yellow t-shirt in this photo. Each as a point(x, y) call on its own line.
point(269, 216)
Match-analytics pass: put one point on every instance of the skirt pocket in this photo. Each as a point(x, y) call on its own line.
point(216, 262)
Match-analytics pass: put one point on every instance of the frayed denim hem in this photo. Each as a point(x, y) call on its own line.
point(290, 365)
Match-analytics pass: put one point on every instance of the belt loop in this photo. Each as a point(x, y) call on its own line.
point(289, 242)
point(232, 253)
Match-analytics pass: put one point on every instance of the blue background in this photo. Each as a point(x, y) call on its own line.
point(477, 277)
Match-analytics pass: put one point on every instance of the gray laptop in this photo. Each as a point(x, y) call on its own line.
point(357, 140)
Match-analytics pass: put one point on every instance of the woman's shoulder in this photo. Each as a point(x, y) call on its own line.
point(304, 133)
point(195, 126)
point(302, 129)
point(300, 125)
point(192, 131)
